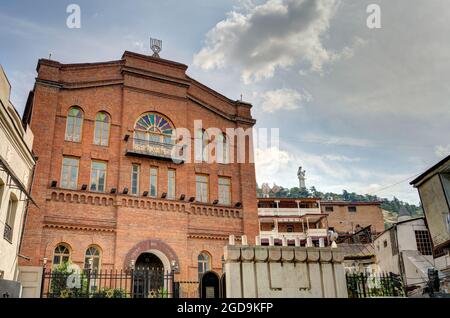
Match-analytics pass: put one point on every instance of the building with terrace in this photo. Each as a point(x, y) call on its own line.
point(289, 221)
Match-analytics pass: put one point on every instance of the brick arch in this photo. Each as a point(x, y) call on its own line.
point(149, 245)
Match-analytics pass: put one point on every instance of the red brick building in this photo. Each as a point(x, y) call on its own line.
point(107, 191)
point(348, 217)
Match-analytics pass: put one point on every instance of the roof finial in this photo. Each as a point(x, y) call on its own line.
point(155, 46)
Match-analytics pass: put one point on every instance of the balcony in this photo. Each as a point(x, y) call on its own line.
point(155, 149)
point(287, 211)
point(8, 233)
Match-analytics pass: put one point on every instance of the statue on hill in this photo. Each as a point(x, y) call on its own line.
point(301, 177)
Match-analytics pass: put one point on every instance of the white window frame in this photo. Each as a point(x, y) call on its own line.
point(137, 174)
point(67, 186)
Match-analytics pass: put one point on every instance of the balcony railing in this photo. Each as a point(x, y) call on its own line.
point(317, 232)
point(287, 211)
point(292, 235)
point(8, 233)
point(279, 235)
point(155, 149)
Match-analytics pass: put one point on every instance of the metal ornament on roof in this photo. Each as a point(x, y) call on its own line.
point(155, 46)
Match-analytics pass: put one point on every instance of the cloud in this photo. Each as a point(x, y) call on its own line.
point(268, 161)
point(331, 173)
point(341, 158)
point(276, 34)
point(283, 99)
point(442, 151)
point(336, 140)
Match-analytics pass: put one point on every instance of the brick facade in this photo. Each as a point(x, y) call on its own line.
point(123, 226)
point(343, 220)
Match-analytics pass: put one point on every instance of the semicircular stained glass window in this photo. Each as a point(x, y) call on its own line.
point(154, 127)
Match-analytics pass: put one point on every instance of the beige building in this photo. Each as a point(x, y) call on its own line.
point(16, 170)
point(434, 190)
point(290, 221)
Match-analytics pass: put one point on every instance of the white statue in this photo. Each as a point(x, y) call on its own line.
point(301, 177)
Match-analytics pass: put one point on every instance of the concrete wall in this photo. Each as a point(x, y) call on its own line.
point(31, 278)
point(273, 271)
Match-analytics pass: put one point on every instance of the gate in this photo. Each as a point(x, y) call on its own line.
point(364, 285)
point(142, 283)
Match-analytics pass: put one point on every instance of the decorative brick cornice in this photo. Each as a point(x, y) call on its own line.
point(221, 211)
point(220, 237)
point(145, 203)
point(81, 197)
point(70, 223)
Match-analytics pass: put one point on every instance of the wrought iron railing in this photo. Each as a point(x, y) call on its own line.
point(365, 285)
point(155, 149)
point(8, 233)
point(139, 283)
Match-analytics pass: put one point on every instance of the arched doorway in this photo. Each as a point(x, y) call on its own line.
point(149, 261)
point(209, 285)
point(149, 277)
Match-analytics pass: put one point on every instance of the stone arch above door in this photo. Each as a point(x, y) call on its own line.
point(152, 246)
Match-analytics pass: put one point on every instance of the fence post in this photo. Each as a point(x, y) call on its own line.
point(42, 281)
point(363, 283)
point(132, 282)
point(88, 287)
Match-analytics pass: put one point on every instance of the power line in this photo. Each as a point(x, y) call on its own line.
point(394, 184)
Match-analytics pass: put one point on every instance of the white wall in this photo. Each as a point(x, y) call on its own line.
point(15, 150)
point(405, 234)
point(413, 264)
point(387, 261)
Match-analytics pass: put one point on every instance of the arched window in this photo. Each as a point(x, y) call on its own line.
point(101, 131)
point(61, 255)
point(92, 258)
point(74, 124)
point(201, 145)
point(222, 148)
point(10, 218)
point(154, 128)
point(204, 263)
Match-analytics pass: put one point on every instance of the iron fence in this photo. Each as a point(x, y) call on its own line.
point(364, 285)
point(142, 283)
